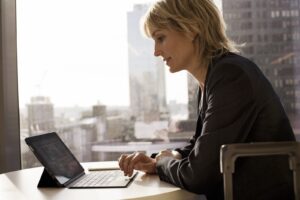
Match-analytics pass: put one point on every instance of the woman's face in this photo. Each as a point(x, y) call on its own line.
point(176, 49)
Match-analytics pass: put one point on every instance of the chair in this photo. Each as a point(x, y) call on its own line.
point(230, 152)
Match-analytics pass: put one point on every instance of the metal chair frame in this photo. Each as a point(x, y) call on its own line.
point(230, 152)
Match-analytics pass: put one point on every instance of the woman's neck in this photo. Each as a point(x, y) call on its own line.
point(199, 73)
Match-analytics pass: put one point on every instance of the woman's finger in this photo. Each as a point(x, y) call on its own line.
point(121, 161)
point(126, 163)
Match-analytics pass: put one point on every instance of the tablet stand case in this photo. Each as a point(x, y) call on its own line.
point(47, 181)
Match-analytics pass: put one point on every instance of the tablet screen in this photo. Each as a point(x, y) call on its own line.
point(55, 157)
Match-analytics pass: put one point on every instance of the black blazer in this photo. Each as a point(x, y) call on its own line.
point(238, 105)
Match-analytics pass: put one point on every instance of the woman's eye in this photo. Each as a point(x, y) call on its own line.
point(160, 38)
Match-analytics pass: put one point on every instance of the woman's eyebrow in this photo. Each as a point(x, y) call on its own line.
point(154, 32)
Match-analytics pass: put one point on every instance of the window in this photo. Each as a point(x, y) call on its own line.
point(87, 73)
point(49, 34)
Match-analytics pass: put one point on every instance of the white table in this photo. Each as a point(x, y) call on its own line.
point(22, 185)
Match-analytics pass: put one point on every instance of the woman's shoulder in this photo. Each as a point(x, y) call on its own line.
point(232, 59)
point(226, 64)
point(233, 64)
point(236, 69)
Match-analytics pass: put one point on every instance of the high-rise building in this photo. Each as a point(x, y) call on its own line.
point(146, 72)
point(40, 115)
point(192, 97)
point(271, 33)
point(100, 116)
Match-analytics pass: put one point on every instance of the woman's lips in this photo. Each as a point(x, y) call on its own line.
point(167, 60)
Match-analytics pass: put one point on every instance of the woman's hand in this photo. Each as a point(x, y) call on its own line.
point(137, 161)
point(168, 153)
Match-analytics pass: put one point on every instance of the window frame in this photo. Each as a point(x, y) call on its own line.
point(10, 154)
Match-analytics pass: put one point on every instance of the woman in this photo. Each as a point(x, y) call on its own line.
point(237, 105)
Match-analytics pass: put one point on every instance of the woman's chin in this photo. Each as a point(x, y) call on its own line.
point(174, 70)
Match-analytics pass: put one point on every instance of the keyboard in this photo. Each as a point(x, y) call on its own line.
point(109, 178)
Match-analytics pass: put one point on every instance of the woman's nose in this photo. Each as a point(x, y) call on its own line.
point(157, 52)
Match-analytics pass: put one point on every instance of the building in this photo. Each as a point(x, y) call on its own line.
point(100, 114)
point(192, 97)
point(146, 72)
point(270, 30)
point(40, 115)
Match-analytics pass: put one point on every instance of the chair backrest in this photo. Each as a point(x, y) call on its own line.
point(230, 152)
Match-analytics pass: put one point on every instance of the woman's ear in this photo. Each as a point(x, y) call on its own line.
point(195, 37)
point(191, 36)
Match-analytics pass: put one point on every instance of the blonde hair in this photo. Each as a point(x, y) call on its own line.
point(200, 17)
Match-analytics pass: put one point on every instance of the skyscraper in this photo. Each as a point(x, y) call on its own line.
point(270, 30)
point(192, 97)
point(146, 72)
point(40, 115)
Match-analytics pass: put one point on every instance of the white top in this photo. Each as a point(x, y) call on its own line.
point(22, 185)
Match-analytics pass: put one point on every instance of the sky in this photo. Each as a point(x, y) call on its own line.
point(75, 52)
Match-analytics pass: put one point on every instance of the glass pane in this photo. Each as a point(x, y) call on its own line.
point(87, 73)
point(271, 33)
